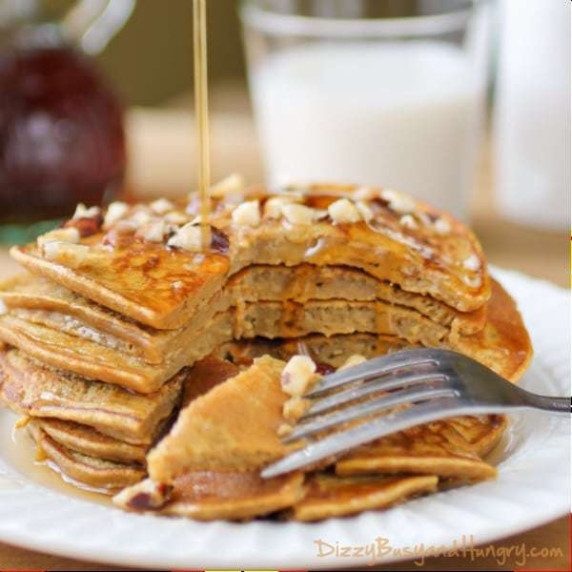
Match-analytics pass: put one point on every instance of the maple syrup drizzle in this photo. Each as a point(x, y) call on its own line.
point(202, 112)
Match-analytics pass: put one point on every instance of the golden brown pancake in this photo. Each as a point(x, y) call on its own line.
point(219, 496)
point(433, 449)
point(90, 442)
point(29, 388)
point(90, 471)
point(329, 496)
point(164, 287)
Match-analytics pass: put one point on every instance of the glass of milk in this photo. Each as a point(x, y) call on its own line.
point(344, 92)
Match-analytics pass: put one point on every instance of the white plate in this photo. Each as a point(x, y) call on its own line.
point(533, 487)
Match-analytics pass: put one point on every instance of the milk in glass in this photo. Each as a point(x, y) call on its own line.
point(403, 115)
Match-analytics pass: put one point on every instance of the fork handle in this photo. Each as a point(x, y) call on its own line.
point(547, 403)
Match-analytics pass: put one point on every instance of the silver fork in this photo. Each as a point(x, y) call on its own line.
point(436, 384)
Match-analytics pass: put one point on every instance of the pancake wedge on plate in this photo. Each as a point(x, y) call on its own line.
point(142, 357)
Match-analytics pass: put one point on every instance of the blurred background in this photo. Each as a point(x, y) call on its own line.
point(502, 158)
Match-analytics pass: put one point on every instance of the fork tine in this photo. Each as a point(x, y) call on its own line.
point(361, 410)
point(375, 368)
point(369, 431)
point(373, 386)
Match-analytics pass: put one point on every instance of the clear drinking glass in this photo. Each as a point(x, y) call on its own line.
point(355, 92)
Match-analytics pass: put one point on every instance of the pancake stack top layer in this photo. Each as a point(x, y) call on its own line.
point(102, 335)
point(147, 262)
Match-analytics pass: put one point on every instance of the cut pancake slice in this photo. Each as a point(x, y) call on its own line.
point(88, 441)
point(163, 285)
point(231, 428)
point(329, 496)
point(91, 471)
point(32, 389)
point(503, 344)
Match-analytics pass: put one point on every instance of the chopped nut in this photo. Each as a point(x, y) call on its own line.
point(3, 308)
point(298, 375)
point(321, 214)
point(115, 212)
point(232, 184)
point(140, 218)
point(196, 220)
point(177, 218)
point(121, 235)
point(82, 211)
point(399, 202)
point(473, 281)
point(294, 408)
point(353, 360)
point(247, 214)
point(162, 206)
point(472, 263)
point(273, 206)
point(365, 193)
point(423, 218)
point(153, 232)
point(73, 254)
point(344, 211)
point(285, 429)
point(408, 222)
point(298, 214)
point(442, 226)
point(188, 237)
point(85, 226)
point(59, 235)
point(364, 210)
point(148, 495)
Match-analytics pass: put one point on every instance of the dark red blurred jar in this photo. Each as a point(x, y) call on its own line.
point(61, 133)
point(61, 124)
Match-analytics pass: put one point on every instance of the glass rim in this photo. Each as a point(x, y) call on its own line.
point(280, 24)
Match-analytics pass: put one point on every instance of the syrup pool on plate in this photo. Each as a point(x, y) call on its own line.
point(18, 450)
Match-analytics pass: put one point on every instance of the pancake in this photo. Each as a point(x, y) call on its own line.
point(434, 449)
point(164, 287)
point(90, 471)
point(503, 344)
point(34, 390)
point(329, 496)
point(219, 496)
point(87, 441)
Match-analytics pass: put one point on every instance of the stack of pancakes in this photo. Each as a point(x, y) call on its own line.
point(102, 337)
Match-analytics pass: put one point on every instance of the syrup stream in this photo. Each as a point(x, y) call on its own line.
point(202, 112)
